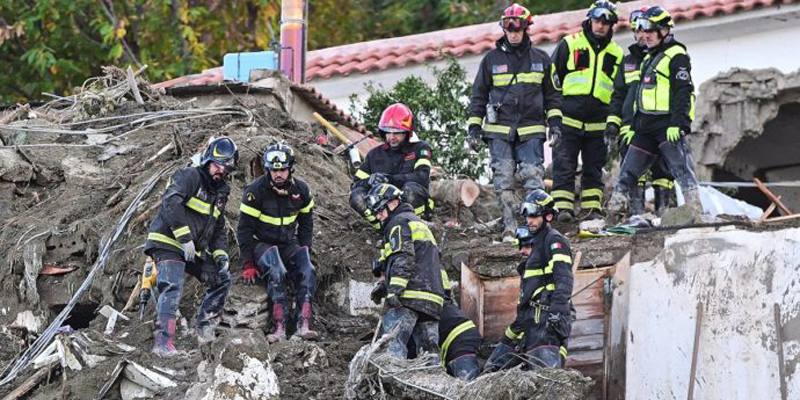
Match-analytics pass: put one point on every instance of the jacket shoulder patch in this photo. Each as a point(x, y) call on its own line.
point(396, 238)
point(500, 69)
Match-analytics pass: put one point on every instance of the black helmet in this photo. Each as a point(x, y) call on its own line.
point(634, 17)
point(603, 10)
point(655, 18)
point(380, 195)
point(278, 157)
point(524, 236)
point(537, 203)
point(223, 152)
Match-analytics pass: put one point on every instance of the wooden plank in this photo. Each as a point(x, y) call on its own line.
point(584, 358)
point(779, 349)
point(589, 311)
point(585, 342)
point(592, 326)
point(614, 364)
point(768, 212)
point(775, 199)
point(783, 218)
point(470, 289)
point(695, 349)
point(31, 382)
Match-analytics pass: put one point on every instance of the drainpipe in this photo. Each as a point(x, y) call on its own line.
point(293, 39)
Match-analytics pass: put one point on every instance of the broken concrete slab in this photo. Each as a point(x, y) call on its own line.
point(28, 321)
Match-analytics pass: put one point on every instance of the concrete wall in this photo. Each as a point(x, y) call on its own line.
point(753, 39)
point(738, 276)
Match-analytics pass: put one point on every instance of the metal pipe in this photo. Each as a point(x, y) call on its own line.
point(293, 39)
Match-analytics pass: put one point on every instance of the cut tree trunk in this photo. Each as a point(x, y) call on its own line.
point(455, 192)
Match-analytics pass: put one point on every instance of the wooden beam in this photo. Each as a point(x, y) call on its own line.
point(772, 197)
point(779, 349)
point(768, 212)
point(783, 218)
point(30, 383)
point(693, 371)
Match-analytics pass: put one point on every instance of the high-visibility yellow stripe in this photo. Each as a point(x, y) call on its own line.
point(307, 209)
point(501, 79)
point(219, 253)
point(158, 237)
point(613, 119)
point(564, 194)
point(496, 128)
point(549, 286)
point(572, 122)
point(251, 211)
point(184, 230)
point(563, 351)
point(419, 210)
point(474, 121)
point(560, 257)
point(398, 281)
point(422, 162)
point(591, 204)
point(420, 231)
point(554, 113)
point(461, 328)
point(199, 205)
point(419, 295)
point(361, 174)
point(511, 335)
point(287, 220)
point(664, 183)
point(530, 77)
point(530, 130)
point(633, 76)
point(592, 192)
point(446, 281)
point(586, 126)
point(625, 129)
point(564, 205)
point(529, 273)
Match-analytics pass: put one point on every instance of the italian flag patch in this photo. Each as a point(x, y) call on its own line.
point(556, 246)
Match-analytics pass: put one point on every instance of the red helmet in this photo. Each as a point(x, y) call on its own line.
point(515, 14)
point(396, 118)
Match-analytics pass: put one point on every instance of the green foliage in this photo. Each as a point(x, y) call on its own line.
point(440, 112)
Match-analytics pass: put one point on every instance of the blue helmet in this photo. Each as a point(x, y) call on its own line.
point(222, 151)
point(537, 203)
point(524, 236)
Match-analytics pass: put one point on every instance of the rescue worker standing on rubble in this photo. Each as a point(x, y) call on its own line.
point(512, 96)
point(409, 261)
point(544, 311)
point(459, 341)
point(664, 113)
point(276, 226)
point(188, 235)
point(626, 86)
point(403, 160)
point(586, 63)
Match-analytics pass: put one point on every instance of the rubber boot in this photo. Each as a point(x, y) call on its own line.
point(506, 200)
point(279, 320)
point(637, 200)
point(304, 327)
point(663, 197)
point(502, 357)
point(164, 345)
point(565, 216)
point(692, 199)
point(544, 357)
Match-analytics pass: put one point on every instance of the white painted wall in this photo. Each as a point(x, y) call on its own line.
point(756, 39)
point(738, 276)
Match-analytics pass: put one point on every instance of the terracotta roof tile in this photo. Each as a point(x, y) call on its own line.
point(477, 39)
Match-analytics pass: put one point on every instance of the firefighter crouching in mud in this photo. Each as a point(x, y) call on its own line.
point(275, 231)
point(188, 235)
point(409, 262)
point(544, 312)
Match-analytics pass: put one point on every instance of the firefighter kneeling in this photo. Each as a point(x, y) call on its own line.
point(544, 316)
point(409, 261)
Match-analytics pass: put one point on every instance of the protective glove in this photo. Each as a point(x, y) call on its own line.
point(610, 137)
point(377, 268)
point(188, 251)
point(475, 137)
point(674, 134)
point(558, 320)
point(392, 301)
point(554, 132)
point(626, 135)
point(377, 178)
point(250, 272)
point(209, 273)
point(222, 263)
point(378, 292)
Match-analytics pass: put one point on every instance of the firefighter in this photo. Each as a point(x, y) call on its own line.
point(513, 98)
point(626, 85)
point(544, 316)
point(276, 226)
point(664, 113)
point(410, 263)
point(188, 235)
point(586, 63)
point(459, 340)
point(403, 160)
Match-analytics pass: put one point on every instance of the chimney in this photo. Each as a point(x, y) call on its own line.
point(293, 39)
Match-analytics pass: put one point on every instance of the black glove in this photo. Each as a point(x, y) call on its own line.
point(559, 320)
point(393, 301)
point(209, 273)
point(377, 268)
point(610, 137)
point(378, 292)
point(475, 137)
point(377, 178)
point(554, 131)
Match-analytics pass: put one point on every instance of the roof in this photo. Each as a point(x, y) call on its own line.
point(382, 54)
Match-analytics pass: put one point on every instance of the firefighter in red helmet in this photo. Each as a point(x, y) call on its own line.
point(403, 160)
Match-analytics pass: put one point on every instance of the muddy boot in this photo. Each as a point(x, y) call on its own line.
point(565, 216)
point(692, 199)
point(637, 200)
point(279, 322)
point(164, 344)
point(663, 199)
point(506, 200)
point(304, 326)
point(616, 207)
point(205, 334)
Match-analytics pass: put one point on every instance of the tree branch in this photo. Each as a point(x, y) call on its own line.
point(109, 10)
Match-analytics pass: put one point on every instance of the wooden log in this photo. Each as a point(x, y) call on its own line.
point(30, 383)
point(455, 192)
point(775, 199)
point(768, 212)
point(783, 218)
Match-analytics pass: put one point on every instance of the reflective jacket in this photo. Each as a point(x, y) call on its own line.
point(546, 279)
point(626, 84)
point(267, 216)
point(410, 162)
point(192, 209)
point(585, 68)
point(525, 101)
point(458, 335)
point(411, 259)
point(665, 96)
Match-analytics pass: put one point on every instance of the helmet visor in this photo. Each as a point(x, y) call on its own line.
point(603, 14)
point(645, 25)
point(531, 209)
point(277, 160)
point(375, 203)
point(523, 236)
point(386, 129)
point(514, 24)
